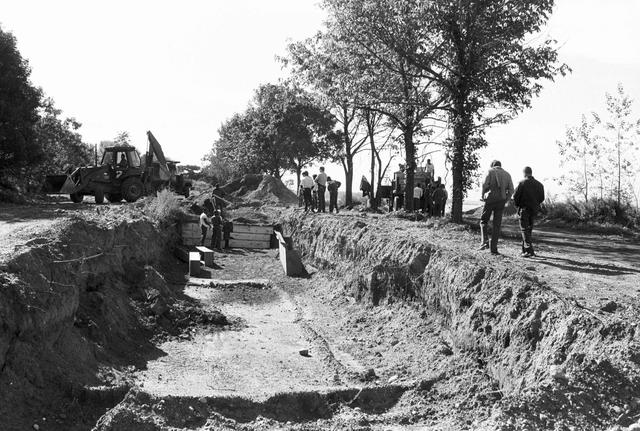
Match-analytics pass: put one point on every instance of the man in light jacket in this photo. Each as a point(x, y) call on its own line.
point(497, 189)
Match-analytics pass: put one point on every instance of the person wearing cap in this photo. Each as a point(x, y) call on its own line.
point(528, 198)
point(216, 228)
point(497, 189)
point(307, 185)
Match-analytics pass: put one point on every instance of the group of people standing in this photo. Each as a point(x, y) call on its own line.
point(497, 190)
point(430, 198)
point(313, 191)
point(211, 218)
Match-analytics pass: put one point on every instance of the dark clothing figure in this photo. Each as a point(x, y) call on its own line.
point(216, 235)
point(497, 189)
point(333, 195)
point(365, 187)
point(445, 198)
point(308, 201)
point(227, 228)
point(321, 202)
point(438, 198)
point(528, 197)
point(218, 198)
point(204, 230)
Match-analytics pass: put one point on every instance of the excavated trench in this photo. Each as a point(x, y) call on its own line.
point(94, 337)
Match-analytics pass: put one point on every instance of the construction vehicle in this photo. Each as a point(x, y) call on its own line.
point(121, 174)
point(397, 190)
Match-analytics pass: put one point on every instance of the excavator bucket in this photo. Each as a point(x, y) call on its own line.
point(58, 184)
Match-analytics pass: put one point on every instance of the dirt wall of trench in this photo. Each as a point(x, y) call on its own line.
point(546, 352)
point(66, 310)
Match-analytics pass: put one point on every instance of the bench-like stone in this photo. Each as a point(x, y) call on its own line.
point(206, 255)
point(194, 263)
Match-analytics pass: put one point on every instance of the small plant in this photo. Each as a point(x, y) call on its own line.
point(164, 208)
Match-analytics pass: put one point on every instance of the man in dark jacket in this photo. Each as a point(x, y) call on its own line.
point(333, 187)
point(528, 197)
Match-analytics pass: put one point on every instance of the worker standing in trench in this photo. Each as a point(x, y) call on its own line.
point(204, 226)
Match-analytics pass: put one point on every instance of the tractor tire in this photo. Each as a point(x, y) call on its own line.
point(99, 196)
point(132, 189)
point(114, 197)
point(76, 197)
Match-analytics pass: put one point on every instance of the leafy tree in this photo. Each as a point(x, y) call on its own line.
point(19, 103)
point(581, 156)
point(621, 139)
point(374, 40)
point(60, 141)
point(321, 64)
point(480, 55)
point(122, 138)
point(283, 129)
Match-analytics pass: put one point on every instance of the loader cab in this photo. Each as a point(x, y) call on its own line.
point(120, 160)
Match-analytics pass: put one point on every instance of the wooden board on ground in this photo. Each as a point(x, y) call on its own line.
point(250, 228)
point(251, 236)
point(237, 243)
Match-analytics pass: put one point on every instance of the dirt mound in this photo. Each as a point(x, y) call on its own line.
point(80, 306)
point(241, 187)
point(273, 191)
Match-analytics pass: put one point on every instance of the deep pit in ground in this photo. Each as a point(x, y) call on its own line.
point(101, 329)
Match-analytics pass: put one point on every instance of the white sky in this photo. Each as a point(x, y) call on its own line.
point(180, 69)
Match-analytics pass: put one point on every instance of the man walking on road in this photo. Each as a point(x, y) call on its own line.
point(497, 189)
point(528, 197)
point(321, 180)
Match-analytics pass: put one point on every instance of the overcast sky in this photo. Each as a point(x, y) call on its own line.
point(181, 68)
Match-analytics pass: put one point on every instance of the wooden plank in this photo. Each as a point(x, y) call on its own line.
point(251, 236)
point(248, 244)
point(246, 228)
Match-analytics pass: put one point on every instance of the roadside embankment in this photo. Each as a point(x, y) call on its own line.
point(554, 360)
point(80, 303)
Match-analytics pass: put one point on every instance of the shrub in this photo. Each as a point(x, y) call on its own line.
point(598, 211)
point(164, 208)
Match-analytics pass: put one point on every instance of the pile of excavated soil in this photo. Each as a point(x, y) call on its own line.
point(81, 306)
point(273, 191)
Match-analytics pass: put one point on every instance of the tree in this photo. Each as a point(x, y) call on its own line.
point(377, 39)
point(122, 138)
point(479, 54)
point(283, 129)
point(581, 148)
point(622, 130)
point(60, 141)
point(320, 64)
point(19, 103)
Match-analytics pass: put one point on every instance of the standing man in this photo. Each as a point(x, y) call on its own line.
point(216, 228)
point(417, 196)
point(321, 180)
point(438, 198)
point(497, 189)
point(333, 187)
point(445, 198)
point(430, 171)
point(204, 226)
point(307, 185)
point(528, 197)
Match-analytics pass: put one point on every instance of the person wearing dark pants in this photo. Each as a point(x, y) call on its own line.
point(497, 189)
point(204, 226)
point(227, 228)
point(307, 185)
point(321, 181)
point(332, 187)
point(438, 198)
point(528, 198)
point(216, 229)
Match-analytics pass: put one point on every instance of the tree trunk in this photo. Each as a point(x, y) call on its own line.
point(348, 166)
point(457, 162)
point(372, 142)
point(410, 156)
point(298, 174)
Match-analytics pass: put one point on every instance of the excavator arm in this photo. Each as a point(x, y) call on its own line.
point(155, 154)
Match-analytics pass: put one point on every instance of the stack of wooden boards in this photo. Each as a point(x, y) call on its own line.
point(243, 235)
